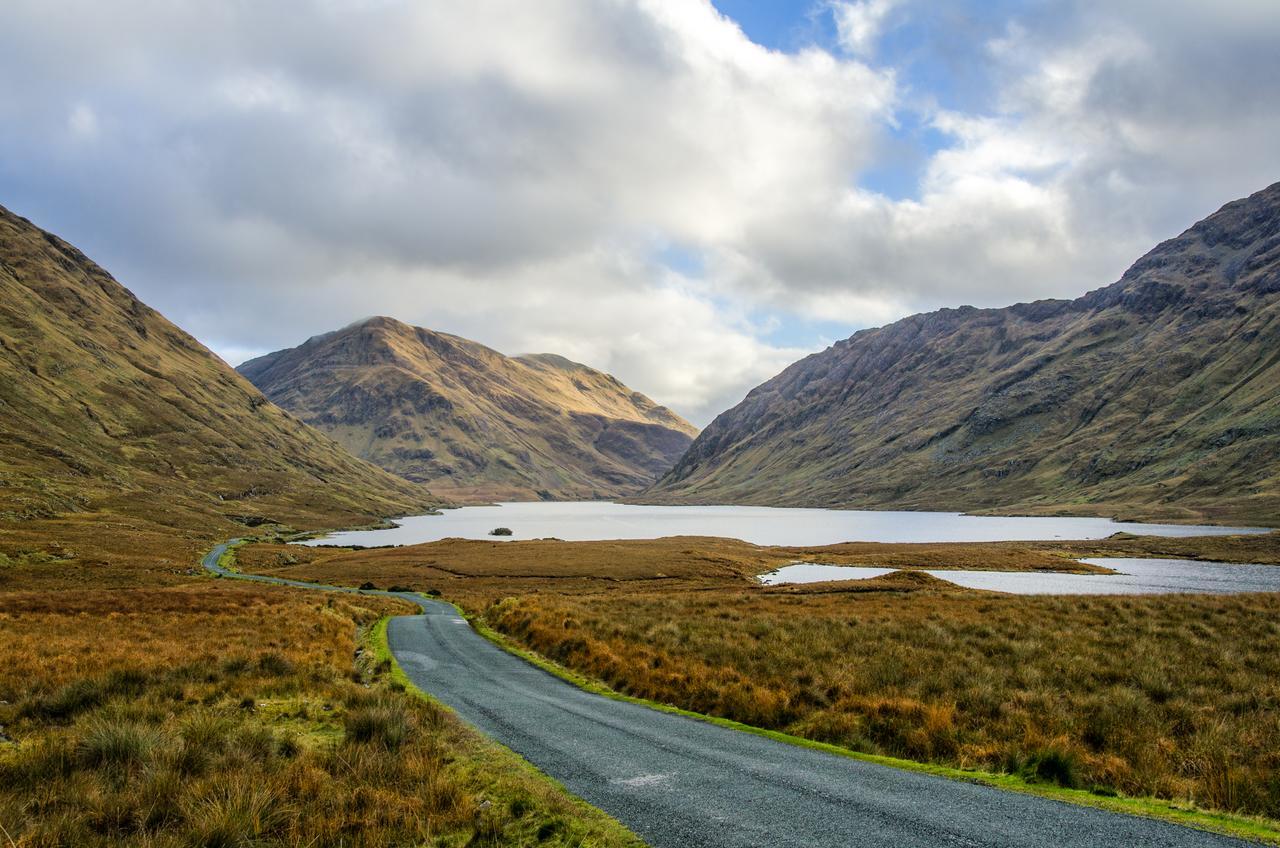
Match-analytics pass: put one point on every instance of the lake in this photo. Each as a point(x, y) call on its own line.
point(600, 520)
point(1132, 577)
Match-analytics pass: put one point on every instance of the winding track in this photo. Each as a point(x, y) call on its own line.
point(682, 783)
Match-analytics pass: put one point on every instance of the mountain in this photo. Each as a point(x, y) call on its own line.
point(107, 409)
point(469, 421)
point(1157, 396)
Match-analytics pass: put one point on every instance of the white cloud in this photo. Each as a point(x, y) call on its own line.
point(509, 171)
point(859, 23)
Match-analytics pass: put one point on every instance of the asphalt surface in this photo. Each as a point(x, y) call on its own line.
point(685, 783)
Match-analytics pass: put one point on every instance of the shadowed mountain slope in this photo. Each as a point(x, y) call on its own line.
point(1157, 396)
point(469, 421)
point(109, 410)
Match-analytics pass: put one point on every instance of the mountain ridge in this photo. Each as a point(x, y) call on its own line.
point(106, 405)
point(1155, 396)
point(471, 422)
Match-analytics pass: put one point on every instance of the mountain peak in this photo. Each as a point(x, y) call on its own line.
point(436, 407)
point(382, 322)
point(553, 360)
point(1233, 246)
point(1156, 396)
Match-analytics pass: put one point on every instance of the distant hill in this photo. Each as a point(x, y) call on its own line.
point(470, 422)
point(109, 410)
point(1157, 396)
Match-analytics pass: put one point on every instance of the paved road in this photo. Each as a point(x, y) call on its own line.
point(685, 783)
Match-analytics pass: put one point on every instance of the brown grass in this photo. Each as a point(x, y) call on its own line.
point(679, 559)
point(96, 552)
point(1176, 697)
point(226, 714)
point(707, 560)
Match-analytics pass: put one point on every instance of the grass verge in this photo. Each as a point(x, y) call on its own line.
point(1246, 827)
point(1162, 707)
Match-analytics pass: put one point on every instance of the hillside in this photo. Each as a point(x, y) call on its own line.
point(470, 422)
point(1157, 396)
point(112, 417)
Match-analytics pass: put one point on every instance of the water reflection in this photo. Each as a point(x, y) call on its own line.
point(599, 520)
point(1132, 577)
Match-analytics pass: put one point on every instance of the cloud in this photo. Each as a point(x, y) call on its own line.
point(261, 173)
point(523, 173)
point(1106, 134)
point(860, 22)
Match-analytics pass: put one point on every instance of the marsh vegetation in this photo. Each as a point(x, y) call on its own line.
point(1175, 696)
point(228, 716)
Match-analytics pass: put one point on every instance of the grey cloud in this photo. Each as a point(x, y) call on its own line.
point(262, 172)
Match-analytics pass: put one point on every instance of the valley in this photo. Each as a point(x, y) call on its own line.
point(146, 702)
point(642, 423)
point(141, 702)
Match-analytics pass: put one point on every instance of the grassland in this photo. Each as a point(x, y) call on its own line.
point(1173, 697)
point(220, 714)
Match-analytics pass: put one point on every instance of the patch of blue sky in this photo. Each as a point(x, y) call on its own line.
point(902, 156)
point(681, 258)
point(786, 25)
point(784, 329)
point(939, 53)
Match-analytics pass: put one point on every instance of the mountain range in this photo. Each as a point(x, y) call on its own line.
point(109, 410)
point(1156, 396)
point(469, 422)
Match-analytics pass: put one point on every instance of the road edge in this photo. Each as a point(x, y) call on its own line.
point(375, 638)
point(1248, 828)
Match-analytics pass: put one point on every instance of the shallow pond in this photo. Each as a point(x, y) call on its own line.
point(1132, 577)
point(597, 520)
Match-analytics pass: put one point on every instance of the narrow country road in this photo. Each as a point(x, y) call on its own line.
point(682, 783)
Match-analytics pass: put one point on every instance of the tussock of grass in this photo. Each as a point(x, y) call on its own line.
point(234, 813)
point(386, 725)
point(112, 744)
point(130, 732)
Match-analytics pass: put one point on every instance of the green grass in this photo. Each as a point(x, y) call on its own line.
point(228, 558)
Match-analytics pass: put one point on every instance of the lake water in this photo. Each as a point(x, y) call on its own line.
point(1133, 577)
point(599, 520)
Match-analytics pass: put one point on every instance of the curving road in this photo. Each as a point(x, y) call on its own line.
point(685, 783)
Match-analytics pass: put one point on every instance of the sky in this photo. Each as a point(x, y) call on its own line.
point(687, 195)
